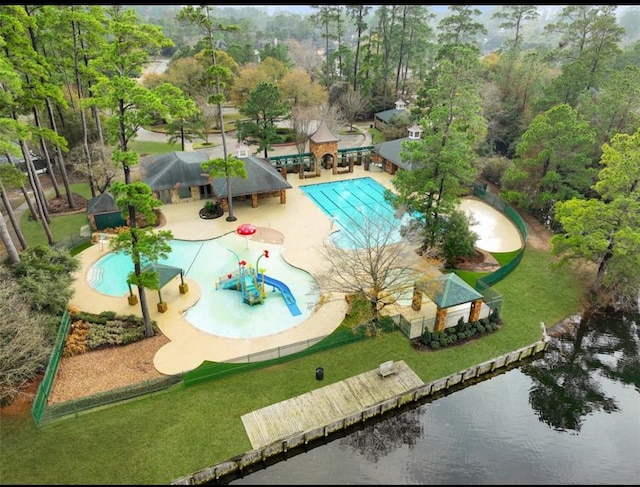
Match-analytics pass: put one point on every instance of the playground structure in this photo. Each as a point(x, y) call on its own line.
point(251, 281)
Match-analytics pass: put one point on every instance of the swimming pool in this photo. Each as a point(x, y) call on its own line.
point(222, 312)
point(351, 202)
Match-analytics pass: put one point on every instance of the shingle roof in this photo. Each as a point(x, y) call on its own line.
point(167, 170)
point(386, 115)
point(323, 134)
point(262, 177)
point(391, 151)
point(449, 290)
point(103, 203)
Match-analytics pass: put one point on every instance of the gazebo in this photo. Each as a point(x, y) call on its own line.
point(454, 298)
point(165, 274)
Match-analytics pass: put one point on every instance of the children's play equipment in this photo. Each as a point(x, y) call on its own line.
point(252, 284)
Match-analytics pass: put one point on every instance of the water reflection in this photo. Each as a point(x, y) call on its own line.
point(568, 417)
point(568, 380)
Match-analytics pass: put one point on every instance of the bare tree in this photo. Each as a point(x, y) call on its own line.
point(99, 168)
point(352, 104)
point(301, 119)
point(371, 261)
point(333, 117)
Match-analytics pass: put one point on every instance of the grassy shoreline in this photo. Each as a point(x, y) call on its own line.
point(163, 437)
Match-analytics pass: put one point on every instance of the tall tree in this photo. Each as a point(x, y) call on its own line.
point(352, 104)
point(227, 167)
point(144, 244)
point(605, 230)
point(371, 263)
point(182, 113)
point(18, 61)
point(201, 17)
point(326, 16)
point(265, 107)
point(460, 27)
point(128, 106)
point(513, 17)
point(616, 107)
point(590, 38)
point(554, 162)
point(449, 108)
point(358, 14)
point(11, 177)
point(7, 241)
point(43, 17)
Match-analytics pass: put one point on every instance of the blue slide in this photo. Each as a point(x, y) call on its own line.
point(286, 293)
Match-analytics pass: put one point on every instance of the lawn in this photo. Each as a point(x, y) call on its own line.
point(61, 226)
point(147, 147)
point(162, 437)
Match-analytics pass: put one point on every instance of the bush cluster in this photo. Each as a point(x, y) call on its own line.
point(461, 332)
point(370, 328)
point(89, 331)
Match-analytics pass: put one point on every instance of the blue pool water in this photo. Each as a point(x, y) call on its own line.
point(220, 311)
point(350, 203)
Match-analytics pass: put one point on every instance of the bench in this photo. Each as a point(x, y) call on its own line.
point(386, 368)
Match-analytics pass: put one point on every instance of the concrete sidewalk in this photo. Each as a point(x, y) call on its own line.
point(363, 138)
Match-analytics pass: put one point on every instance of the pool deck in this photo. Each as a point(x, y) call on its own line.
point(301, 227)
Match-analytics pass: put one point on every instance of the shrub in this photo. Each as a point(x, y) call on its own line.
point(91, 331)
point(494, 317)
point(386, 324)
point(455, 334)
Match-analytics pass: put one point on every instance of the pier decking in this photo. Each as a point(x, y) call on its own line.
point(327, 404)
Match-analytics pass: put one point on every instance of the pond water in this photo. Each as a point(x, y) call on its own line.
point(570, 416)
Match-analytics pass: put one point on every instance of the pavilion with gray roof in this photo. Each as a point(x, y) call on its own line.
point(178, 176)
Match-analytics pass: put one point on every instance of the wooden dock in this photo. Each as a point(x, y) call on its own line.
point(327, 404)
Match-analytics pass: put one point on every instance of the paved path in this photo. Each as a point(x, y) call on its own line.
point(363, 138)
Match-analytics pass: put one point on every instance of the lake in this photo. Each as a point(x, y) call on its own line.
point(571, 416)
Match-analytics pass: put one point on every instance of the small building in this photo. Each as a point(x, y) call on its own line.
point(454, 299)
point(102, 213)
point(323, 145)
point(381, 119)
point(387, 155)
point(178, 176)
point(262, 181)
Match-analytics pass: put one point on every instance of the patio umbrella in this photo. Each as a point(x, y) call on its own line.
point(246, 229)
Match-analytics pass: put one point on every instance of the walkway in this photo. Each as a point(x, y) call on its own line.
point(327, 405)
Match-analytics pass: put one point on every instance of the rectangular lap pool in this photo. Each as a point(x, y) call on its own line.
point(349, 202)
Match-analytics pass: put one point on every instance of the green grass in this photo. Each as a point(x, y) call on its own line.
point(376, 136)
point(162, 437)
point(153, 148)
point(355, 131)
point(203, 145)
point(505, 257)
point(61, 226)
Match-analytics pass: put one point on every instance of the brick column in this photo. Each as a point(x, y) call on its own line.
point(416, 300)
point(474, 313)
point(441, 317)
